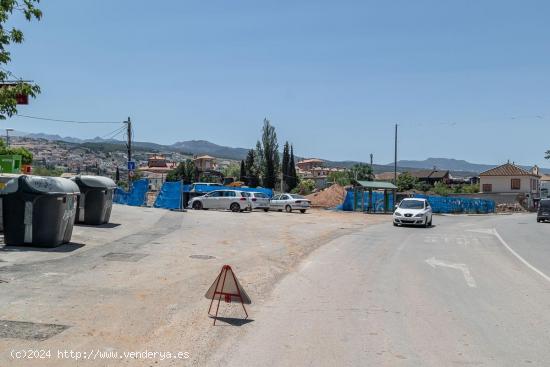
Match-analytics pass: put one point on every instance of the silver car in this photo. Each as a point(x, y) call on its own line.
point(413, 211)
point(258, 200)
point(234, 200)
point(289, 202)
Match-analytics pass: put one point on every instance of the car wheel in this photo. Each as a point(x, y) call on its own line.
point(302, 211)
point(426, 223)
point(394, 224)
point(235, 208)
point(538, 220)
point(197, 205)
point(266, 210)
point(288, 209)
point(430, 224)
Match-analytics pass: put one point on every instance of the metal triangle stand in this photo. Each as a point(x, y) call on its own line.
point(227, 296)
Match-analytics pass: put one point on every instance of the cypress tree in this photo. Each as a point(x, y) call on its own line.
point(285, 167)
point(292, 175)
point(242, 175)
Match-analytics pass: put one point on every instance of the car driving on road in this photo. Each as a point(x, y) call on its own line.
point(289, 202)
point(413, 211)
point(234, 200)
point(543, 213)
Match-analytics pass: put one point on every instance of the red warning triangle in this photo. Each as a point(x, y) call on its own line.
point(227, 287)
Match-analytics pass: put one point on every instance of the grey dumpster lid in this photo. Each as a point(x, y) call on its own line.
point(99, 182)
point(47, 185)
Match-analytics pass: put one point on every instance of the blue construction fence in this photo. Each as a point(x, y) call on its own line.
point(170, 194)
point(135, 197)
point(377, 202)
point(445, 204)
point(440, 204)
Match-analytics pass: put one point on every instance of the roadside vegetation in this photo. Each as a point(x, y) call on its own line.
point(406, 182)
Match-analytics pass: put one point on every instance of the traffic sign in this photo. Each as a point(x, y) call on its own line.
point(131, 165)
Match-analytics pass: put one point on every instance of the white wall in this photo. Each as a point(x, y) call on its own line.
point(504, 184)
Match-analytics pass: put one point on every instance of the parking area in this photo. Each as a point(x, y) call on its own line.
point(139, 282)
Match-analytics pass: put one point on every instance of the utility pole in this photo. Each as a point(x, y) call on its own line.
point(395, 166)
point(371, 168)
point(395, 158)
point(8, 137)
point(129, 147)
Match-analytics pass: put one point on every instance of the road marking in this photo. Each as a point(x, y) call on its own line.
point(433, 262)
point(525, 262)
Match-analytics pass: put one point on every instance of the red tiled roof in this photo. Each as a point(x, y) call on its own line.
point(507, 169)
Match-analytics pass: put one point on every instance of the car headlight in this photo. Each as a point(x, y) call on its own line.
point(397, 214)
point(419, 215)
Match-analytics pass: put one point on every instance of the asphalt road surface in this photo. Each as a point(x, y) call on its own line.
point(470, 291)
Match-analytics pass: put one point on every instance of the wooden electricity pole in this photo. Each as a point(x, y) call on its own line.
point(129, 148)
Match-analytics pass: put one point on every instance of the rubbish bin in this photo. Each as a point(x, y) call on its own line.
point(95, 200)
point(38, 211)
point(4, 178)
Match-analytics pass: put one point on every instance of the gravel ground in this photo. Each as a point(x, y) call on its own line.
point(132, 286)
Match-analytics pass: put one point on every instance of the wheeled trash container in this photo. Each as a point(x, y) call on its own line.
point(95, 200)
point(38, 211)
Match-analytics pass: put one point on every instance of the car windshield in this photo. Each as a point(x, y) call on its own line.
point(545, 204)
point(294, 196)
point(412, 204)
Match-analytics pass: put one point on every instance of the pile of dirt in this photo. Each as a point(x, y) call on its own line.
point(329, 197)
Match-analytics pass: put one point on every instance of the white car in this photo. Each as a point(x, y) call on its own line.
point(413, 211)
point(234, 200)
point(258, 200)
point(289, 202)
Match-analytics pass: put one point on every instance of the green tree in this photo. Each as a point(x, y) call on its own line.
point(292, 181)
point(232, 170)
point(341, 178)
point(285, 167)
point(242, 173)
point(305, 187)
point(360, 172)
point(184, 171)
point(406, 181)
point(13, 89)
point(26, 155)
point(441, 189)
point(251, 169)
point(268, 150)
point(422, 186)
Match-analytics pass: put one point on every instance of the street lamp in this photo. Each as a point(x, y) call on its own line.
point(8, 137)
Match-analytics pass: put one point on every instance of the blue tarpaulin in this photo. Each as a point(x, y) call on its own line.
point(170, 193)
point(136, 197)
point(440, 204)
point(448, 204)
point(208, 188)
point(169, 196)
point(377, 200)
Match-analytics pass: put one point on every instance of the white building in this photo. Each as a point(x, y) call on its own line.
point(511, 179)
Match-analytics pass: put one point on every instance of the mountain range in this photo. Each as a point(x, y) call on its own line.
point(456, 166)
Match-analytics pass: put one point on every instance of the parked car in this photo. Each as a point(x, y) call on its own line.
point(413, 211)
point(234, 200)
point(289, 202)
point(258, 200)
point(543, 213)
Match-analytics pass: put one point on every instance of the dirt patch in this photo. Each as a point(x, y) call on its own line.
point(329, 197)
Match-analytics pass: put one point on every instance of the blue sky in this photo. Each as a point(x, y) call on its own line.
point(463, 79)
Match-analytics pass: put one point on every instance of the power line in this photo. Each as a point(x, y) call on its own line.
point(115, 132)
point(69, 121)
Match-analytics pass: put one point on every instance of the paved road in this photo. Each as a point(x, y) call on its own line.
point(451, 295)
